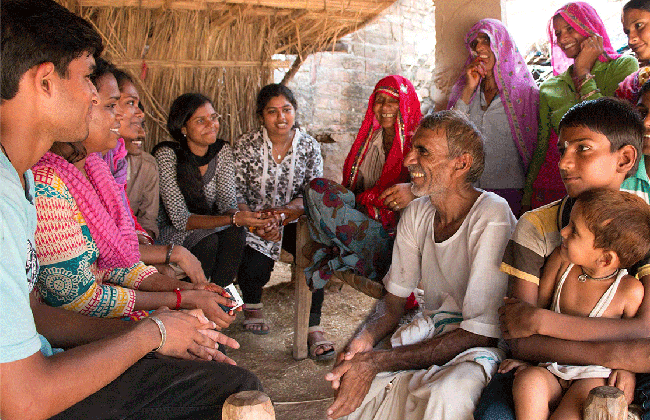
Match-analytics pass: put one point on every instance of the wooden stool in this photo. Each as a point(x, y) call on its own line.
point(303, 294)
point(248, 405)
point(605, 403)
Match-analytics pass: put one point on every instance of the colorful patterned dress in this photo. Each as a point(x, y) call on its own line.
point(358, 231)
point(69, 275)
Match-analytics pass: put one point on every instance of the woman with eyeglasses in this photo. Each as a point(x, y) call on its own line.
point(197, 190)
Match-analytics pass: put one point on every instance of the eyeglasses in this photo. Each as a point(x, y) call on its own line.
point(214, 118)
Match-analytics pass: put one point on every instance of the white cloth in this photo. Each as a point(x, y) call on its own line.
point(463, 288)
point(503, 165)
point(569, 372)
point(448, 392)
point(373, 164)
point(460, 274)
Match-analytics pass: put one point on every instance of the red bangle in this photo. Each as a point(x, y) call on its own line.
point(178, 299)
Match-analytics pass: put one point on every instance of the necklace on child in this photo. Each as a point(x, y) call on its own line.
point(584, 276)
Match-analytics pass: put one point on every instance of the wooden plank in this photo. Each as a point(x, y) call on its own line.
point(303, 294)
point(137, 63)
point(330, 6)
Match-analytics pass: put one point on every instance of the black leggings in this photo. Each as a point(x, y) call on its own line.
point(255, 272)
point(220, 254)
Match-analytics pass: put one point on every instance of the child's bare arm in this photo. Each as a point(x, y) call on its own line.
point(567, 327)
point(632, 296)
point(552, 270)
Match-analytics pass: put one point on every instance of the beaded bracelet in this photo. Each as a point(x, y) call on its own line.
point(163, 331)
point(233, 220)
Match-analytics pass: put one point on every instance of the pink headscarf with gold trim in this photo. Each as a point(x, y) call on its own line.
point(583, 18)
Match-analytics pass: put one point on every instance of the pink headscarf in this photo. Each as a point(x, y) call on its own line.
point(583, 18)
point(100, 202)
point(393, 171)
point(517, 88)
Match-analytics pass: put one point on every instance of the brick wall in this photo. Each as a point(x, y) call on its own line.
point(332, 88)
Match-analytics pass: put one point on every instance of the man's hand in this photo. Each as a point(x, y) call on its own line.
point(518, 319)
point(209, 302)
point(208, 328)
point(625, 381)
point(183, 338)
point(397, 197)
point(355, 377)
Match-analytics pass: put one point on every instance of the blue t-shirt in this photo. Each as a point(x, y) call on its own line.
point(18, 266)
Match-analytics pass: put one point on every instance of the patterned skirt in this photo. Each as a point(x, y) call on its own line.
point(364, 246)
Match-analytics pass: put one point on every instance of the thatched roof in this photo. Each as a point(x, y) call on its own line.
point(223, 49)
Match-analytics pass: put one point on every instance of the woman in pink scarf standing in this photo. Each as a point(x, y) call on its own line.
point(501, 98)
point(586, 67)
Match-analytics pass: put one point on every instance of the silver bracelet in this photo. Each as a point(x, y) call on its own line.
point(163, 331)
point(168, 257)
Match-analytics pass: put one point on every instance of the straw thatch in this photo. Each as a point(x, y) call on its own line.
point(222, 49)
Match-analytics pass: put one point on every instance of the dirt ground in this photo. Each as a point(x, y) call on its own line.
point(297, 388)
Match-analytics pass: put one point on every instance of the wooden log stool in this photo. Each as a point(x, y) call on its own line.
point(248, 405)
point(605, 403)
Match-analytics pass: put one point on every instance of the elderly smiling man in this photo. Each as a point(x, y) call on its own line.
point(449, 243)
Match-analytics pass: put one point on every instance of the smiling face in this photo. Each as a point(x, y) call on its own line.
point(586, 161)
point(201, 129)
point(569, 40)
point(481, 47)
point(636, 25)
point(386, 109)
point(105, 117)
point(73, 102)
point(278, 116)
point(132, 114)
point(428, 162)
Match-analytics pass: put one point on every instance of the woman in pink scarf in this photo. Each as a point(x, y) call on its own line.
point(636, 14)
point(501, 98)
point(85, 238)
point(586, 67)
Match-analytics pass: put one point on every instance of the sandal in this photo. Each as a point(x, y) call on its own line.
point(252, 320)
point(327, 354)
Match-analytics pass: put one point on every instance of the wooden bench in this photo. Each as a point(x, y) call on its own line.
point(303, 294)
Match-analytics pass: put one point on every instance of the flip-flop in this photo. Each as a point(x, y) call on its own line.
point(256, 321)
point(327, 355)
